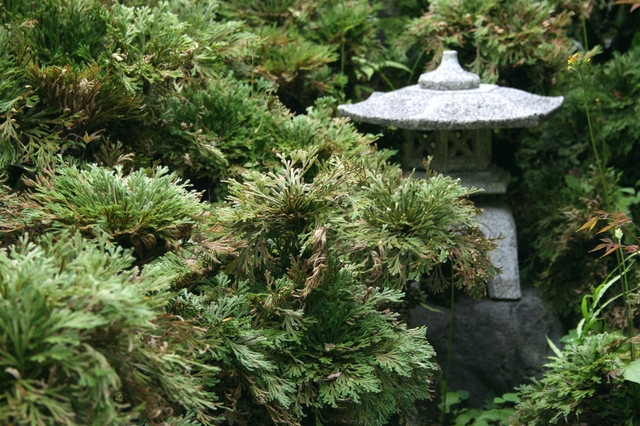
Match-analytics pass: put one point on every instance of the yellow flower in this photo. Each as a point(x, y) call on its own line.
point(577, 61)
point(573, 59)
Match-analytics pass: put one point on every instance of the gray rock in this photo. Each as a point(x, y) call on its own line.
point(497, 345)
point(454, 99)
point(496, 220)
point(449, 75)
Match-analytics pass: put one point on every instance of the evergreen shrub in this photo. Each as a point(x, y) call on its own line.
point(83, 342)
point(390, 229)
point(126, 299)
point(584, 384)
point(320, 48)
point(148, 209)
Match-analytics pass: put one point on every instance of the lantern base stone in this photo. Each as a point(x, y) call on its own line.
point(497, 220)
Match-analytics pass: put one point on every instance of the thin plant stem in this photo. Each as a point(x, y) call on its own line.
point(415, 66)
point(445, 382)
point(389, 83)
point(342, 53)
point(584, 26)
point(625, 282)
point(620, 256)
point(593, 140)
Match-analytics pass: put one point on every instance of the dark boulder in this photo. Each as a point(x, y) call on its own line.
point(496, 346)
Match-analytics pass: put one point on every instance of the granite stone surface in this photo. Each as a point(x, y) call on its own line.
point(496, 345)
point(452, 100)
point(496, 220)
point(449, 75)
point(488, 106)
point(452, 150)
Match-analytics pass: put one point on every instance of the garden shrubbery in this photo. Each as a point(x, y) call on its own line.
point(130, 295)
point(85, 340)
point(190, 235)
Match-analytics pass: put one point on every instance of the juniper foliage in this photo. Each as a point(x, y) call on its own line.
point(221, 130)
point(77, 72)
point(299, 353)
point(390, 229)
point(361, 363)
point(307, 330)
point(314, 49)
point(271, 307)
point(82, 341)
point(583, 384)
point(149, 210)
point(404, 228)
point(497, 39)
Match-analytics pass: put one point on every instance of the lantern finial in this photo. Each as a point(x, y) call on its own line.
point(449, 75)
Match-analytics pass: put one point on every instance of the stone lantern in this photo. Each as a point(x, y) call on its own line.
point(449, 115)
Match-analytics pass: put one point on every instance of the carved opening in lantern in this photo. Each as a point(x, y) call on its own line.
point(452, 150)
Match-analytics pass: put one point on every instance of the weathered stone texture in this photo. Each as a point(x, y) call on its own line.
point(496, 345)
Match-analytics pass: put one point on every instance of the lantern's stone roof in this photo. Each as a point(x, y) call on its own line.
point(451, 98)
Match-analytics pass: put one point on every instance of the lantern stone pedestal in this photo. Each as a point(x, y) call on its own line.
point(449, 116)
point(496, 345)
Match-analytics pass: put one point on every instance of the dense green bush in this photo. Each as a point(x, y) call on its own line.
point(149, 210)
point(301, 339)
point(326, 47)
point(332, 350)
point(273, 306)
point(584, 384)
point(71, 85)
point(83, 340)
point(294, 355)
point(390, 229)
point(279, 302)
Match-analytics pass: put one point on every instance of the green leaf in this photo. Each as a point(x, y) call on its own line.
point(572, 182)
point(580, 328)
point(397, 65)
point(585, 306)
point(453, 398)
point(631, 371)
point(555, 349)
point(368, 70)
point(431, 308)
point(569, 337)
point(511, 397)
